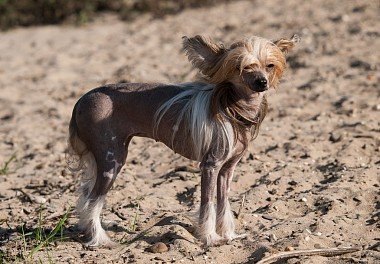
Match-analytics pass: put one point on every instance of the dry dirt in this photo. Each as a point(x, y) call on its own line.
point(310, 180)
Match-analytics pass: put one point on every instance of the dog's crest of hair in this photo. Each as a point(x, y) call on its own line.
point(196, 99)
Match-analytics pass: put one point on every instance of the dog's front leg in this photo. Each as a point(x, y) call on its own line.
point(207, 215)
point(225, 220)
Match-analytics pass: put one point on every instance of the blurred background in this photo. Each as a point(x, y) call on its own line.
point(43, 12)
point(310, 180)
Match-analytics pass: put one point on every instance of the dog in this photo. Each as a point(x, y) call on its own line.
point(211, 121)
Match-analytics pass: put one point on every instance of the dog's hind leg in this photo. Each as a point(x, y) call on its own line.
point(104, 166)
point(207, 214)
point(225, 220)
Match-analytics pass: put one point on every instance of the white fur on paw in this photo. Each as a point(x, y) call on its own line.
point(213, 239)
point(96, 242)
point(100, 239)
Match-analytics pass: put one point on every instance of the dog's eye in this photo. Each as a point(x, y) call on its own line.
point(270, 65)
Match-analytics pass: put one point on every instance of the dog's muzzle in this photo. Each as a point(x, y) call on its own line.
point(261, 84)
point(256, 82)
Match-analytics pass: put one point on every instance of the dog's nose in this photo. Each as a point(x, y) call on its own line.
point(262, 83)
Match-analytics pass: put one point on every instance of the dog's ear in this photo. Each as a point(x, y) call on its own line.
point(286, 45)
point(203, 52)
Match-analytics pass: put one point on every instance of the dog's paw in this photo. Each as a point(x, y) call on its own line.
point(229, 236)
point(101, 244)
point(101, 240)
point(213, 239)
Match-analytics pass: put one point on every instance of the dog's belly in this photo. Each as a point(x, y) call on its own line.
point(181, 146)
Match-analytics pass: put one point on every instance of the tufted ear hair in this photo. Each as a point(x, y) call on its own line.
point(286, 45)
point(203, 53)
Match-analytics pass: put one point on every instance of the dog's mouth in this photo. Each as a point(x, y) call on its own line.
point(259, 89)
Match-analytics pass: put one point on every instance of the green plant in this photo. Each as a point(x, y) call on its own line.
point(39, 238)
point(133, 225)
point(51, 237)
point(5, 167)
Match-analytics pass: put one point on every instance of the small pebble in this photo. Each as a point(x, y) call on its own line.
point(39, 166)
point(307, 238)
point(304, 199)
point(267, 217)
point(38, 199)
point(272, 238)
point(317, 246)
point(293, 183)
point(356, 63)
point(289, 248)
point(26, 210)
point(158, 258)
point(335, 137)
point(159, 247)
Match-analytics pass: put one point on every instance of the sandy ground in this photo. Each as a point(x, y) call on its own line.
point(310, 180)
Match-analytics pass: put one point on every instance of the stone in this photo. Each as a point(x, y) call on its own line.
point(159, 247)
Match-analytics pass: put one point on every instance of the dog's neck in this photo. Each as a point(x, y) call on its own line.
point(237, 106)
point(244, 111)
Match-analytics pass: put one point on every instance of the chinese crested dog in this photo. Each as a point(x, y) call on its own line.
point(211, 121)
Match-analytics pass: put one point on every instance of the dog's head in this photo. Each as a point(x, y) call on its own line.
point(254, 64)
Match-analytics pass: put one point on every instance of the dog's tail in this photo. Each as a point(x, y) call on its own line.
point(80, 159)
point(77, 149)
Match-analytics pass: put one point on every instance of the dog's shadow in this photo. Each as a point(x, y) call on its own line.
point(74, 234)
point(167, 238)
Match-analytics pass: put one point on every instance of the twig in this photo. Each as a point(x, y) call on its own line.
point(363, 136)
point(118, 214)
point(59, 215)
point(373, 247)
point(30, 199)
point(328, 252)
point(241, 206)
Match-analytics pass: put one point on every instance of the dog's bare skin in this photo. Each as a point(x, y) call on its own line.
point(227, 106)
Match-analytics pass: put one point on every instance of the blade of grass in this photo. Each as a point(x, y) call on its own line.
point(50, 259)
point(39, 231)
point(5, 168)
point(50, 238)
point(23, 242)
point(134, 221)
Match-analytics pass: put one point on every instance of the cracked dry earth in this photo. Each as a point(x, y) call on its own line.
point(310, 180)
